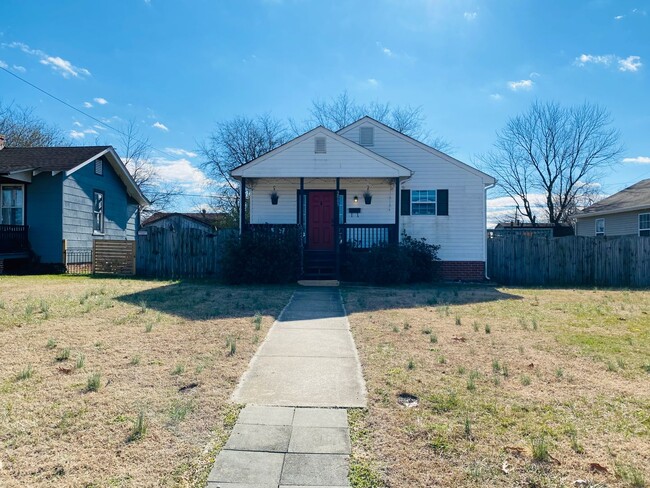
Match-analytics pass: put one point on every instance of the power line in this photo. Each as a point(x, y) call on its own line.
point(99, 121)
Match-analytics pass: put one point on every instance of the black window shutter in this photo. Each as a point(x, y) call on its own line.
point(443, 202)
point(406, 202)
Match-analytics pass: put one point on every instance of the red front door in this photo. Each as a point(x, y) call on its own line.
point(320, 227)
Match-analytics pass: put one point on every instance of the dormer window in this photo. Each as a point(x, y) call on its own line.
point(366, 136)
point(320, 146)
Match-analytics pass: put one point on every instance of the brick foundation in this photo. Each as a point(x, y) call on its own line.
point(462, 270)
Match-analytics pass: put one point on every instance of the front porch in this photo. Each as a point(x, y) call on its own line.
point(330, 217)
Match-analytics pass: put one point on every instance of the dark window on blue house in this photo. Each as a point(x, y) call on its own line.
point(98, 211)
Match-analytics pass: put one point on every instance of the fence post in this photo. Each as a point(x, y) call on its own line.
point(64, 249)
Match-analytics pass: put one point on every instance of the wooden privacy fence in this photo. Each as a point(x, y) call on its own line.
point(180, 253)
point(113, 257)
point(573, 261)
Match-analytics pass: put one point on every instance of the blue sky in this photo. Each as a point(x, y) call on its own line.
point(177, 67)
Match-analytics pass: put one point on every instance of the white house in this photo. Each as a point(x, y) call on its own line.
point(366, 184)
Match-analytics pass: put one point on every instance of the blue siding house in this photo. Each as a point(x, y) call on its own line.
point(53, 197)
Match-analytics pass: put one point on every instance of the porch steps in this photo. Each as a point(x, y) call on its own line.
point(319, 265)
point(318, 282)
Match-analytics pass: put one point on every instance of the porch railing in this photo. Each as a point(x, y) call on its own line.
point(365, 236)
point(13, 239)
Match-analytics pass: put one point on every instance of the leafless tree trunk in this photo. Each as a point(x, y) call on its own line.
point(557, 152)
point(22, 128)
point(136, 153)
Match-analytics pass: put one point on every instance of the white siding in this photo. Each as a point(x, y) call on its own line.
point(620, 224)
point(340, 160)
point(461, 234)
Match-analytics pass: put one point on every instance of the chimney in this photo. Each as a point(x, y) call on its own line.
point(2, 142)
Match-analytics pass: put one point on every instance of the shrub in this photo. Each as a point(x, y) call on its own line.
point(264, 255)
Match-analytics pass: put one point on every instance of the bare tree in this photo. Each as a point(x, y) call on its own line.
point(136, 152)
point(22, 128)
point(559, 152)
point(342, 110)
point(233, 143)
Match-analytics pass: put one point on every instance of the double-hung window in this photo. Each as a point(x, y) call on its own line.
point(423, 202)
point(98, 212)
point(600, 227)
point(12, 202)
point(644, 224)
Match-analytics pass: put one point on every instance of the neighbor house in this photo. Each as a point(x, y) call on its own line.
point(64, 197)
point(364, 185)
point(530, 229)
point(622, 214)
point(205, 221)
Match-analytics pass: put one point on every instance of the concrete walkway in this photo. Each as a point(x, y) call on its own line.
point(307, 360)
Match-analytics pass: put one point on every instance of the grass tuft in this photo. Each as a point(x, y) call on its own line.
point(257, 321)
point(539, 447)
point(525, 380)
point(139, 428)
point(231, 346)
point(488, 329)
point(51, 344)
point(410, 364)
point(135, 360)
point(178, 369)
point(81, 361)
point(94, 382)
point(25, 373)
point(63, 355)
point(631, 475)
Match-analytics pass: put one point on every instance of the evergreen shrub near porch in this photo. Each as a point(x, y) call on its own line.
point(263, 256)
point(410, 261)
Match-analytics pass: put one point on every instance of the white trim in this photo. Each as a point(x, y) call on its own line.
point(638, 222)
point(21, 175)
point(488, 180)
point(239, 172)
point(119, 167)
point(22, 207)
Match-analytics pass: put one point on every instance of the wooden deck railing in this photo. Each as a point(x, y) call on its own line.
point(13, 239)
point(364, 236)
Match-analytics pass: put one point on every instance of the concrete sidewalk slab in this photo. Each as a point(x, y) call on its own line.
point(254, 414)
point(307, 366)
point(250, 437)
point(320, 440)
point(320, 417)
point(315, 469)
point(236, 467)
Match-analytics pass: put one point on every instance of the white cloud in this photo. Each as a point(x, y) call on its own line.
point(62, 66)
point(585, 59)
point(496, 96)
point(631, 63)
point(534, 74)
point(161, 126)
point(19, 68)
point(470, 16)
point(501, 209)
point(90, 131)
point(88, 105)
point(75, 134)
point(3, 64)
point(638, 160)
point(385, 50)
point(76, 123)
point(182, 173)
point(521, 85)
point(100, 100)
point(181, 152)
point(619, 17)
point(372, 82)
point(100, 127)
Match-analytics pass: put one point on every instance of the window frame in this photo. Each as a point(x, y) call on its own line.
point(99, 162)
point(22, 203)
point(101, 212)
point(415, 202)
point(645, 229)
point(602, 233)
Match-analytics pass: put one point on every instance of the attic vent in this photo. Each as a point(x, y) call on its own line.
point(99, 167)
point(366, 136)
point(319, 146)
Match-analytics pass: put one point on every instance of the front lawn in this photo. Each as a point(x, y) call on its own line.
point(111, 382)
point(514, 387)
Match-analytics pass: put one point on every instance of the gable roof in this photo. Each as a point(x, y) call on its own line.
point(398, 168)
point(33, 160)
point(634, 197)
point(367, 119)
point(211, 219)
point(13, 159)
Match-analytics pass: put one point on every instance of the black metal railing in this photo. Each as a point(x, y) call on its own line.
point(365, 236)
point(13, 239)
point(78, 261)
point(281, 232)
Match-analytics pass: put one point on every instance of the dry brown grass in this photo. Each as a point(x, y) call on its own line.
point(575, 375)
point(55, 432)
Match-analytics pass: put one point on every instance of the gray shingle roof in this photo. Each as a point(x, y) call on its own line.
point(46, 158)
point(633, 197)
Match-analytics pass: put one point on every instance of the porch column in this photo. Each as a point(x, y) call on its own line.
point(397, 211)
point(337, 246)
point(300, 202)
point(242, 206)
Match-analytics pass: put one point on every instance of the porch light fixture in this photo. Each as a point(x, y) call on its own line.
point(356, 199)
point(274, 197)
